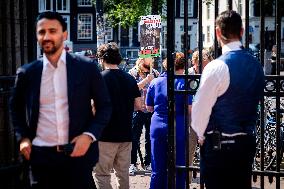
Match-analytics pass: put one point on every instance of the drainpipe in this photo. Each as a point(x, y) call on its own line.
point(100, 23)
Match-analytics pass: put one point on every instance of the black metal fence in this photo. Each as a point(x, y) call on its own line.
point(17, 46)
point(10, 166)
point(270, 140)
point(270, 127)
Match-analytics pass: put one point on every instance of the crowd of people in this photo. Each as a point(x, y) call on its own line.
point(75, 124)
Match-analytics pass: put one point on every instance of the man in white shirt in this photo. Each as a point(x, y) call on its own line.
point(52, 114)
point(224, 110)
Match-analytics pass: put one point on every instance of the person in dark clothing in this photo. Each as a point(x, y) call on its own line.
point(116, 140)
point(224, 110)
point(51, 110)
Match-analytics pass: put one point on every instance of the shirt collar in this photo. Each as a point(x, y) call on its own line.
point(232, 46)
point(62, 59)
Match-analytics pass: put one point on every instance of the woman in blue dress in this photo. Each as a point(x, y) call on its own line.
point(157, 102)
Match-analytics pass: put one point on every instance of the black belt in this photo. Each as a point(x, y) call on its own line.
point(232, 139)
point(66, 148)
point(229, 139)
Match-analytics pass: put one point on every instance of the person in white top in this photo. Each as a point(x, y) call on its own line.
point(52, 114)
point(224, 110)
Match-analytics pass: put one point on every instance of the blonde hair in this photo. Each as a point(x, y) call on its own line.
point(205, 55)
point(140, 61)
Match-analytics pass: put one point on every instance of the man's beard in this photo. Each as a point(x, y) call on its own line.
point(50, 50)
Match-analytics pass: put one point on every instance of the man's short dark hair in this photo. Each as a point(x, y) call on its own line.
point(230, 24)
point(110, 53)
point(52, 16)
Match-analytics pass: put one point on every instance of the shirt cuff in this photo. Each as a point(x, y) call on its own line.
point(91, 135)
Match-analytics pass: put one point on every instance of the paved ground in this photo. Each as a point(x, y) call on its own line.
point(142, 180)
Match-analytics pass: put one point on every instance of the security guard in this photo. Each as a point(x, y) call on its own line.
point(224, 110)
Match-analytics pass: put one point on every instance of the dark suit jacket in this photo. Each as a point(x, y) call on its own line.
point(84, 82)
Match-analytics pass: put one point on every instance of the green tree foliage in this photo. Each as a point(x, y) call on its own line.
point(128, 12)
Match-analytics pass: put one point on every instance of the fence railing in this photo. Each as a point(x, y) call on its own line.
point(10, 166)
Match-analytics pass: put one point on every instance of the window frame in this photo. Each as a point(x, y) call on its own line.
point(81, 5)
point(190, 9)
point(91, 27)
point(67, 6)
point(208, 34)
point(108, 33)
point(240, 7)
point(67, 20)
point(208, 8)
point(131, 51)
point(42, 5)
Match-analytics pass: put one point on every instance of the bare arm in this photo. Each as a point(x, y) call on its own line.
point(137, 104)
point(145, 81)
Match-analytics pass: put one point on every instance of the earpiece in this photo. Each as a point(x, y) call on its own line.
point(107, 50)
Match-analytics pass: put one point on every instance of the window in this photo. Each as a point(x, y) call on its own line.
point(63, 5)
point(108, 33)
point(190, 8)
point(45, 5)
point(135, 33)
point(208, 34)
point(182, 45)
point(124, 37)
point(240, 7)
point(85, 27)
point(67, 20)
point(85, 3)
point(181, 27)
point(132, 53)
point(208, 11)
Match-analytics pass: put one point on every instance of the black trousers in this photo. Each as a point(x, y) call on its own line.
point(230, 167)
point(55, 170)
point(141, 119)
point(273, 68)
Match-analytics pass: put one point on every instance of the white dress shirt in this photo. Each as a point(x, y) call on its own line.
point(53, 122)
point(215, 81)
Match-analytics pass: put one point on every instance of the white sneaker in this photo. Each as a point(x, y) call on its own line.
point(148, 168)
point(132, 169)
